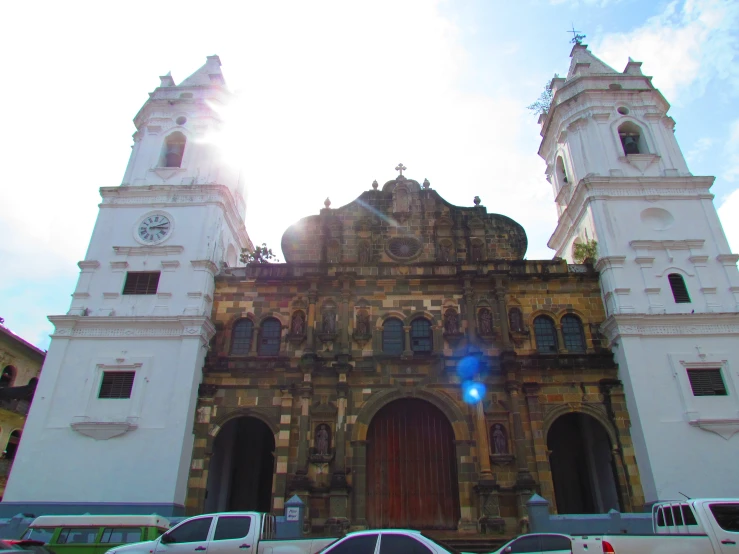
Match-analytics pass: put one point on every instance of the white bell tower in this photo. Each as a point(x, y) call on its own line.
point(110, 429)
point(669, 281)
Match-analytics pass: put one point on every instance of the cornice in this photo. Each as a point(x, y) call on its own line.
point(164, 250)
point(645, 325)
point(94, 327)
point(596, 187)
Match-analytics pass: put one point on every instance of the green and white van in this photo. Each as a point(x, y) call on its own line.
point(94, 534)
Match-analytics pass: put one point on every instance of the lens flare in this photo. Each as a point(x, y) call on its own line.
point(468, 367)
point(473, 392)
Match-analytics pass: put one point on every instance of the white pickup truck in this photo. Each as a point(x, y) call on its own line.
point(700, 526)
point(225, 533)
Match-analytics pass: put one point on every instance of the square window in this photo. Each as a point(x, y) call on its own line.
point(116, 384)
point(707, 382)
point(141, 282)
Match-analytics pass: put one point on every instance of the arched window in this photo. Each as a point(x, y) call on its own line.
point(241, 337)
point(269, 337)
point(679, 290)
point(561, 173)
point(174, 149)
point(546, 335)
point(392, 336)
point(421, 338)
point(6, 380)
point(631, 139)
point(12, 446)
point(573, 334)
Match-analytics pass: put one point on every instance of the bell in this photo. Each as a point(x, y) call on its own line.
point(631, 144)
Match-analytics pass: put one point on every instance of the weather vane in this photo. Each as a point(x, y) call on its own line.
point(577, 36)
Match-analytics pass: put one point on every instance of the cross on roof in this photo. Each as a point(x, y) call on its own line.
point(577, 36)
point(401, 168)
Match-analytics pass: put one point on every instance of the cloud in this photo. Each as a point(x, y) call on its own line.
point(685, 47)
point(731, 155)
point(701, 146)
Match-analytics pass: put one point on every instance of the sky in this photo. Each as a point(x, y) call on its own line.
point(331, 95)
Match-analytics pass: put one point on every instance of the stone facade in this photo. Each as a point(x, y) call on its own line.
point(403, 253)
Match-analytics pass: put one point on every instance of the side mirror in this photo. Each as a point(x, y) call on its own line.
point(166, 538)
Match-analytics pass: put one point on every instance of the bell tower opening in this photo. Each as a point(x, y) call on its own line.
point(174, 149)
point(631, 138)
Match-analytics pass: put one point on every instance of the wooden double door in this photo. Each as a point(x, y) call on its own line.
point(411, 468)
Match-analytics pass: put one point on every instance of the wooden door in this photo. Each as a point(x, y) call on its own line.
point(411, 468)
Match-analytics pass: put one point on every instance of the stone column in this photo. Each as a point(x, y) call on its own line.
point(312, 297)
point(487, 490)
point(254, 350)
point(541, 457)
point(344, 316)
point(305, 390)
point(483, 443)
point(359, 483)
point(469, 303)
point(560, 338)
point(338, 521)
point(282, 450)
point(407, 351)
point(502, 313)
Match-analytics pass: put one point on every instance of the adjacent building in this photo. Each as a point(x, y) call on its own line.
point(20, 363)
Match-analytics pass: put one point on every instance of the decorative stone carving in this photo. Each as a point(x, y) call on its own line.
point(485, 322)
point(364, 253)
point(446, 252)
point(297, 327)
point(321, 452)
point(102, 430)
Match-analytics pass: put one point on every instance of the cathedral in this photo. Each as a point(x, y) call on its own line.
point(405, 366)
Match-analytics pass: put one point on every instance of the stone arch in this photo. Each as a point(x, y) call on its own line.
point(257, 413)
point(570, 311)
point(276, 315)
point(379, 322)
point(376, 402)
point(647, 144)
point(421, 313)
point(597, 412)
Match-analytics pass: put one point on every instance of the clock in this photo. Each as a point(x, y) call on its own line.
point(154, 228)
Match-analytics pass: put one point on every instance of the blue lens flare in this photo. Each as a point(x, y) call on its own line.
point(467, 367)
point(473, 392)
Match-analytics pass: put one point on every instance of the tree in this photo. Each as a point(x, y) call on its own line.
point(260, 255)
point(585, 251)
point(541, 106)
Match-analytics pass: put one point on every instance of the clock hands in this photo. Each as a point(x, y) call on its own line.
point(159, 226)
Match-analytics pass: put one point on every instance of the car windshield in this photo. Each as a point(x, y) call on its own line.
point(441, 544)
point(42, 534)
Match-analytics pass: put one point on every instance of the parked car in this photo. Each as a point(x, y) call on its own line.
point(92, 534)
point(388, 541)
point(551, 543)
point(225, 533)
point(20, 545)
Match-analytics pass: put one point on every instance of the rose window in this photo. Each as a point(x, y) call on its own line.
point(403, 247)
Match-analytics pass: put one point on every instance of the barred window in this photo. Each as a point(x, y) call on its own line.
point(116, 384)
point(241, 337)
point(707, 382)
point(573, 333)
point(269, 337)
point(679, 290)
point(392, 336)
point(546, 335)
point(141, 282)
point(421, 338)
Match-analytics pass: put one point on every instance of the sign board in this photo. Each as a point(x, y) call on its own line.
point(292, 514)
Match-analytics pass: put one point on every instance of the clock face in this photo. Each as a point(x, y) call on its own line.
point(154, 228)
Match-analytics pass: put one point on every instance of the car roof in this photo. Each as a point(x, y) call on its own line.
point(99, 521)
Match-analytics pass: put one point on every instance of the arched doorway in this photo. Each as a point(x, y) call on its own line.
point(411, 468)
point(582, 465)
point(241, 468)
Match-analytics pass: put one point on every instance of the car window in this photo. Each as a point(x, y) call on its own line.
point(394, 543)
point(192, 531)
point(727, 516)
point(39, 533)
point(525, 544)
point(121, 535)
point(551, 543)
point(362, 544)
point(688, 515)
point(78, 535)
point(232, 527)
